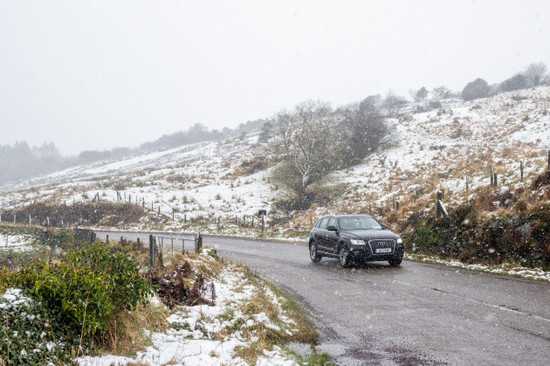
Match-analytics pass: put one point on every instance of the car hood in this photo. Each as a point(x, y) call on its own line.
point(369, 234)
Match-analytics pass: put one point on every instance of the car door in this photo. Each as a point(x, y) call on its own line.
point(332, 238)
point(321, 234)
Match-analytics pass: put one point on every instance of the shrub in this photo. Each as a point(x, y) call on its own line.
point(85, 289)
point(426, 239)
point(56, 238)
point(476, 89)
point(27, 337)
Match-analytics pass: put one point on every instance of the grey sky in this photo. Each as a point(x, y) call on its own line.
point(100, 74)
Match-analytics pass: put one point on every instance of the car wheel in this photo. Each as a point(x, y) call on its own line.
point(395, 262)
point(343, 255)
point(313, 254)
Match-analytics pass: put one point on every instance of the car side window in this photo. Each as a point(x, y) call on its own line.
point(332, 222)
point(323, 223)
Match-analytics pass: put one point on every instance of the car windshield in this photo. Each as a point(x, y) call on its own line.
point(358, 223)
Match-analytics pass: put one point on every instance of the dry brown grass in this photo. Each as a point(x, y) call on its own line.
point(127, 334)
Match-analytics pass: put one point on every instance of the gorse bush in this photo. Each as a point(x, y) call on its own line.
point(85, 289)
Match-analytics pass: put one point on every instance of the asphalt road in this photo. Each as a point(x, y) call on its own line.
point(417, 314)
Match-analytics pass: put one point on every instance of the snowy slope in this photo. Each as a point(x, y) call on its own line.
point(195, 180)
point(441, 149)
point(428, 151)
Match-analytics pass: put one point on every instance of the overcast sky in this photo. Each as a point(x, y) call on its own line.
point(100, 74)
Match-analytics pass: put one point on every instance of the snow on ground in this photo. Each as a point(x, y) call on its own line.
point(210, 335)
point(196, 180)
point(15, 242)
point(504, 269)
point(443, 148)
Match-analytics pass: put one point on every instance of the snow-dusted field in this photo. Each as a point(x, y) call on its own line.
point(443, 149)
point(210, 335)
point(194, 180)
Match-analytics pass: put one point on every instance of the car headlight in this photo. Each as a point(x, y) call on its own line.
point(399, 241)
point(357, 242)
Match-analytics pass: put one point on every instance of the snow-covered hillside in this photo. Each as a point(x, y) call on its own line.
point(195, 180)
point(455, 147)
point(435, 150)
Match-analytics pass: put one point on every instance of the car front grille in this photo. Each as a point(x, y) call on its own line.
point(382, 244)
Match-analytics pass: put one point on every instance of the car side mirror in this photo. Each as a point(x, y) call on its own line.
point(384, 227)
point(332, 228)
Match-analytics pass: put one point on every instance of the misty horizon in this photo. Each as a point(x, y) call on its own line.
point(94, 76)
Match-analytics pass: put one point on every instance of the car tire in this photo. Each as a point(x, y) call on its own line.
point(395, 262)
point(313, 254)
point(343, 256)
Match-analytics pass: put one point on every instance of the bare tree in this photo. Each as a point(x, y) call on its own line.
point(441, 92)
point(535, 74)
point(303, 138)
point(393, 103)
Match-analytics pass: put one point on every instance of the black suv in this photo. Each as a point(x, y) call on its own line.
point(354, 238)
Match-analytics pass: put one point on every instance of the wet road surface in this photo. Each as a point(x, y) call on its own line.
point(416, 314)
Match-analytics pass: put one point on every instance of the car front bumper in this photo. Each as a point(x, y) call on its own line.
point(363, 253)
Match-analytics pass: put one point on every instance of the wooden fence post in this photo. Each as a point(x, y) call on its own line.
point(467, 186)
point(492, 177)
point(138, 244)
point(172, 246)
point(198, 244)
point(151, 251)
point(521, 170)
point(161, 250)
point(495, 180)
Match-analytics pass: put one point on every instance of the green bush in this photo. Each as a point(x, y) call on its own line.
point(425, 239)
point(26, 333)
point(85, 289)
point(56, 238)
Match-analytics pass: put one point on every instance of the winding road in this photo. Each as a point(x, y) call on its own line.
point(416, 314)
